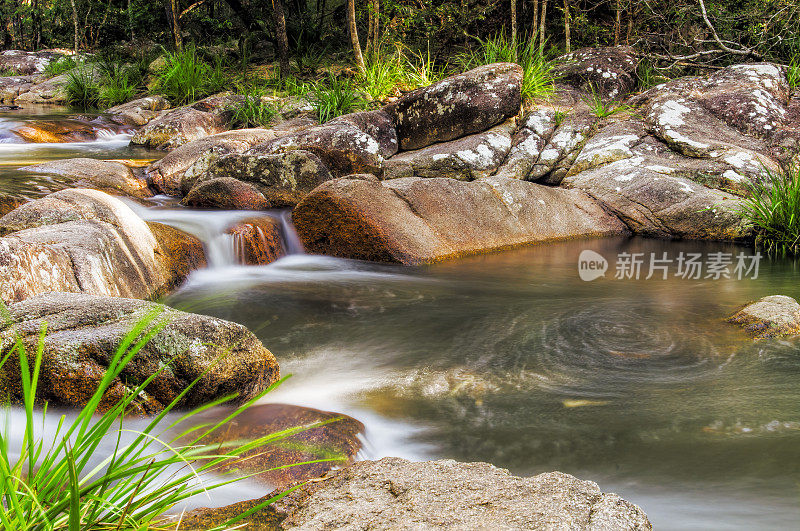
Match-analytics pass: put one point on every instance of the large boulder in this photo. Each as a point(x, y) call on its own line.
point(398, 494)
point(12, 87)
point(192, 160)
point(606, 71)
point(257, 240)
point(467, 158)
point(226, 193)
point(283, 178)
point(60, 131)
point(377, 124)
point(180, 126)
point(87, 241)
point(49, 91)
point(416, 220)
point(460, 105)
point(773, 316)
point(27, 63)
point(109, 176)
point(138, 112)
point(84, 331)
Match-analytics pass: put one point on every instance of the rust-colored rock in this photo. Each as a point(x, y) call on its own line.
point(226, 193)
point(109, 176)
point(57, 131)
point(258, 241)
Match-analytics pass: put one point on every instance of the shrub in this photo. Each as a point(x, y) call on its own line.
point(82, 89)
point(60, 66)
point(335, 97)
point(772, 208)
point(54, 485)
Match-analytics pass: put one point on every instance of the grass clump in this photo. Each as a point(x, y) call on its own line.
point(253, 111)
point(57, 484)
point(60, 66)
point(772, 208)
point(187, 77)
point(603, 109)
point(82, 88)
point(793, 73)
point(420, 70)
point(334, 97)
point(538, 70)
point(383, 74)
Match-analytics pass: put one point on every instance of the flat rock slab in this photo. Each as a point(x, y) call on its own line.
point(416, 220)
point(398, 494)
point(773, 316)
point(84, 331)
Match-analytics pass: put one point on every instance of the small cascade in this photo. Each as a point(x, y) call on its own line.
point(231, 237)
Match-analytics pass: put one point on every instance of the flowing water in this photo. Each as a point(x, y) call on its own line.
point(511, 358)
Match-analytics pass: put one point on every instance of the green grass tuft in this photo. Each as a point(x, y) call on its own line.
point(60, 66)
point(188, 77)
point(335, 97)
point(773, 210)
point(793, 73)
point(253, 112)
point(82, 89)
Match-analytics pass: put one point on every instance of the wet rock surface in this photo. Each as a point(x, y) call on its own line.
point(257, 241)
point(773, 316)
point(139, 112)
point(109, 176)
point(417, 220)
point(84, 331)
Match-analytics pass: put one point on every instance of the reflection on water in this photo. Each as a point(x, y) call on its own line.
point(510, 358)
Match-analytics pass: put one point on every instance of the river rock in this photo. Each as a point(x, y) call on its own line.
point(773, 316)
point(109, 176)
point(49, 91)
point(84, 331)
point(415, 220)
point(57, 131)
point(139, 112)
point(467, 158)
point(167, 174)
point(12, 87)
point(377, 124)
point(258, 240)
point(226, 193)
point(320, 435)
point(395, 493)
point(86, 241)
point(27, 63)
point(460, 105)
point(283, 178)
point(607, 71)
point(534, 133)
point(342, 147)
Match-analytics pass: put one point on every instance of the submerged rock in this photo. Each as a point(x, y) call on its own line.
point(460, 105)
point(84, 331)
point(415, 220)
point(87, 241)
point(109, 176)
point(57, 131)
point(395, 493)
point(773, 316)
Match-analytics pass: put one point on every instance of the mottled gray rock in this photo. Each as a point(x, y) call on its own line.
point(377, 124)
point(49, 91)
point(139, 112)
point(342, 147)
point(773, 316)
point(112, 177)
point(527, 144)
point(27, 63)
point(608, 71)
point(397, 494)
point(87, 241)
point(416, 220)
point(84, 331)
point(467, 158)
point(12, 87)
point(283, 178)
point(460, 105)
point(176, 173)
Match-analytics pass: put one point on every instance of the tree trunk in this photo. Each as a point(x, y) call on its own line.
point(351, 24)
point(76, 41)
point(374, 27)
point(617, 23)
point(567, 43)
point(283, 39)
point(514, 21)
point(130, 20)
point(174, 22)
point(542, 19)
point(535, 32)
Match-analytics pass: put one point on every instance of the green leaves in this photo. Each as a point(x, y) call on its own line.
point(334, 97)
point(773, 210)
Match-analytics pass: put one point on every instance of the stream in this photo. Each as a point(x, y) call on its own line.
point(511, 358)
